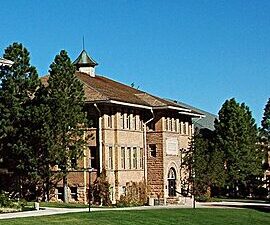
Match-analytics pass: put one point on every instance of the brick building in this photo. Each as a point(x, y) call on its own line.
point(132, 134)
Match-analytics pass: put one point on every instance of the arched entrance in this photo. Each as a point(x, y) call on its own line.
point(172, 182)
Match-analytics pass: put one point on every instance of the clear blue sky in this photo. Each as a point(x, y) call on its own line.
point(198, 52)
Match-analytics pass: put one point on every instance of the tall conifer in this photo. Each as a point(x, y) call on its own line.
point(17, 89)
point(237, 137)
point(66, 96)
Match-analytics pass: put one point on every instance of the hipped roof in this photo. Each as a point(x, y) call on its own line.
point(102, 89)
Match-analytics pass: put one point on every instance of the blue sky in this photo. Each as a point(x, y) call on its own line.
point(198, 52)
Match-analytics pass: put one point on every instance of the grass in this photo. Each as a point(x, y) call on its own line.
point(62, 205)
point(157, 217)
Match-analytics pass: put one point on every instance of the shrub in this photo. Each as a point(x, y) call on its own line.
point(5, 201)
point(135, 195)
point(101, 190)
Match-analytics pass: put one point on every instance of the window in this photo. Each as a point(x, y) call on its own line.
point(73, 162)
point(135, 122)
point(141, 158)
point(135, 158)
point(91, 122)
point(152, 125)
point(173, 124)
point(166, 124)
point(60, 193)
point(153, 150)
point(92, 157)
point(122, 121)
point(176, 125)
point(128, 120)
point(123, 190)
point(74, 193)
point(109, 121)
point(129, 159)
point(170, 124)
point(123, 158)
point(111, 193)
point(110, 158)
point(185, 128)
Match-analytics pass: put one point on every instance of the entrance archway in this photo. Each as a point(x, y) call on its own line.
point(172, 182)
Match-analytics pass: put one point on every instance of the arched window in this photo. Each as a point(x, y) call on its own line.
point(172, 174)
point(172, 182)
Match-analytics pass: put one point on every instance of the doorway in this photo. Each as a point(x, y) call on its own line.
point(172, 182)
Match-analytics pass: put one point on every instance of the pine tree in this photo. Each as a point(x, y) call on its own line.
point(265, 134)
point(66, 97)
point(205, 163)
point(236, 137)
point(17, 88)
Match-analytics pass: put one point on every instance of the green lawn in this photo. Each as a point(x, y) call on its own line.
point(155, 217)
point(62, 205)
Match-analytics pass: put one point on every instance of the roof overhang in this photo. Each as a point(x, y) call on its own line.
point(172, 107)
point(182, 111)
point(192, 114)
point(122, 103)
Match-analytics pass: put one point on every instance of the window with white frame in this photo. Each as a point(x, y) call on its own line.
point(122, 121)
point(74, 193)
point(123, 157)
point(135, 158)
point(173, 124)
point(141, 164)
point(109, 121)
point(60, 193)
point(129, 157)
point(110, 158)
point(185, 128)
point(153, 150)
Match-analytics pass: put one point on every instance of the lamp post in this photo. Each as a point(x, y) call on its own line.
point(90, 170)
point(89, 189)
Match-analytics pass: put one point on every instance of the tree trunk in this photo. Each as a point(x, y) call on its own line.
point(65, 184)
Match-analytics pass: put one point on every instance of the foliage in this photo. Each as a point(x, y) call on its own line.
point(236, 138)
point(265, 134)
point(205, 163)
point(5, 201)
point(17, 89)
point(135, 195)
point(101, 190)
point(66, 100)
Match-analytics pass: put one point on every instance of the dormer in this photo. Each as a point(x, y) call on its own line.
point(85, 64)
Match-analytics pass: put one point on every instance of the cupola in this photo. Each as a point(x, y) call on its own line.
point(84, 63)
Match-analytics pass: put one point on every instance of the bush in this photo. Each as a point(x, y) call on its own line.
point(135, 195)
point(5, 201)
point(101, 190)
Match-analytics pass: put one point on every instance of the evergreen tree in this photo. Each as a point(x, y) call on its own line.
point(66, 101)
point(265, 129)
point(236, 137)
point(205, 163)
point(17, 88)
point(265, 137)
